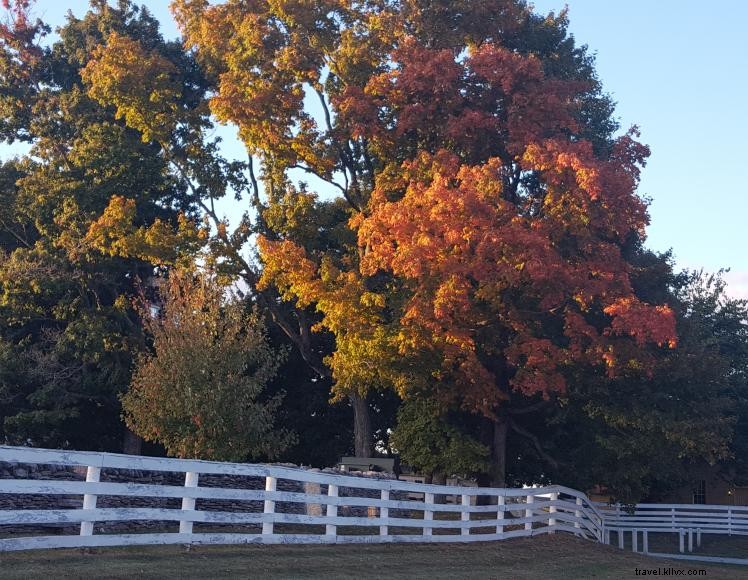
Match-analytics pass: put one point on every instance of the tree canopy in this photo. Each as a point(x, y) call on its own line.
point(64, 304)
point(438, 212)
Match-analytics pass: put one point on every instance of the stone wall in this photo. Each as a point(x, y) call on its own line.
point(62, 473)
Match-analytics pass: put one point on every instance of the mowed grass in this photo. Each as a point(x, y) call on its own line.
point(558, 556)
point(711, 545)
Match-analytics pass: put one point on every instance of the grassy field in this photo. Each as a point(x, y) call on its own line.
point(559, 556)
point(711, 545)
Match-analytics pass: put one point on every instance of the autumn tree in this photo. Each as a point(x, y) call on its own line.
point(269, 61)
point(199, 392)
point(474, 150)
point(65, 314)
point(142, 83)
point(119, 188)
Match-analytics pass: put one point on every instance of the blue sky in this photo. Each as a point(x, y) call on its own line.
point(676, 68)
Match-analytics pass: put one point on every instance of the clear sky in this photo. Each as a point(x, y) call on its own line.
point(676, 68)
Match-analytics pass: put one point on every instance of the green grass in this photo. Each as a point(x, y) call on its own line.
point(560, 556)
point(711, 544)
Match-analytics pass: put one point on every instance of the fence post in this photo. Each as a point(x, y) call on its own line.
point(553, 509)
point(729, 521)
point(529, 511)
point(465, 515)
point(690, 539)
point(578, 514)
point(428, 515)
point(681, 535)
point(384, 512)
point(645, 541)
point(501, 502)
point(270, 485)
point(332, 510)
point(188, 503)
point(698, 537)
point(93, 474)
point(672, 518)
point(634, 540)
point(621, 538)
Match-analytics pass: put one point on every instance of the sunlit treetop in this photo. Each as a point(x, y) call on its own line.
point(472, 142)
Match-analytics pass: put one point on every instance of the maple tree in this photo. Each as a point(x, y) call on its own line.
point(485, 215)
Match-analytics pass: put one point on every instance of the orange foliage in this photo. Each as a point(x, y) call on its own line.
point(490, 231)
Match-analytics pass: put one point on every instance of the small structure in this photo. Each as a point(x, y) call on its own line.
point(381, 464)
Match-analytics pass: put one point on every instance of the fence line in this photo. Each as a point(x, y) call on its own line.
point(689, 521)
point(710, 519)
point(387, 512)
point(232, 503)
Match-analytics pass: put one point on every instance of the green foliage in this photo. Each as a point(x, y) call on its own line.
point(640, 434)
point(64, 312)
point(428, 442)
point(199, 393)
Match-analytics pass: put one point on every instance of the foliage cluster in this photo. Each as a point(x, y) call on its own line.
point(476, 294)
point(199, 392)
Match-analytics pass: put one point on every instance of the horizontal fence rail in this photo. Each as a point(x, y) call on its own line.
point(710, 519)
point(688, 521)
point(83, 499)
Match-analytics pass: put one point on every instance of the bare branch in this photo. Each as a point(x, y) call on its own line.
point(529, 409)
point(14, 234)
point(343, 190)
point(536, 443)
point(325, 108)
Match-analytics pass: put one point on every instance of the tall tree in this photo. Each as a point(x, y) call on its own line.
point(489, 199)
point(348, 92)
point(64, 310)
point(149, 89)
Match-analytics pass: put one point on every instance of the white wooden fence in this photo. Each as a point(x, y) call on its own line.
point(393, 514)
point(689, 521)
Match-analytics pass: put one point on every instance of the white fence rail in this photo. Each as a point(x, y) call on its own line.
point(710, 519)
point(326, 508)
point(689, 521)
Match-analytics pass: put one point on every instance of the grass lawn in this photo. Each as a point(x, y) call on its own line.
point(558, 556)
point(716, 545)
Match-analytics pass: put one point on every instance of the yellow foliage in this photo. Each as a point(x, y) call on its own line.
point(142, 85)
point(115, 234)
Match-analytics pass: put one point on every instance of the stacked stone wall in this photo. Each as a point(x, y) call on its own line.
point(76, 473)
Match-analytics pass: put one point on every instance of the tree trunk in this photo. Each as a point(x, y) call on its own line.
point(131, 443)
point(439, 478)
point(498, 451)
point(362, 434)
